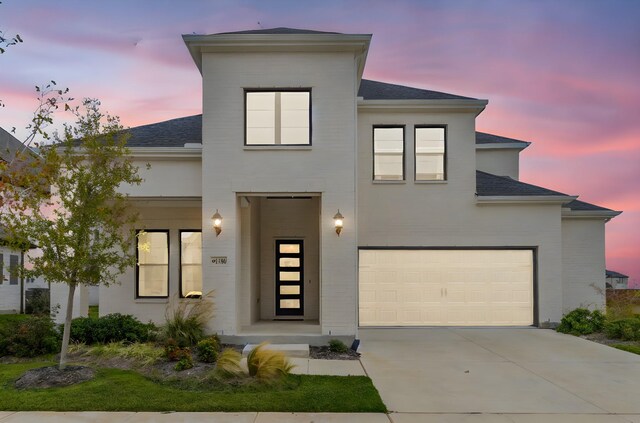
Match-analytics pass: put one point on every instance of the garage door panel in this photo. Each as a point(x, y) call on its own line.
point(446, 287)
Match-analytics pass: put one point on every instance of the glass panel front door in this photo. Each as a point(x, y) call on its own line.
point(289, 277)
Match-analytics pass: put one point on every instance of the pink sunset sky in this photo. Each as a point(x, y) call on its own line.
point(563, 74)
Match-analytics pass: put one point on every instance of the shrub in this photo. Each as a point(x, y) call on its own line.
point(30, 337)
point(186, 319)
point(228, 364)
point(111, 328)
point(37, 301)
point(174, 352)
point(185, 362)
point(208, 349)
point(625, 329)
point(265, 364)
point(582, 322)
point(337, 346)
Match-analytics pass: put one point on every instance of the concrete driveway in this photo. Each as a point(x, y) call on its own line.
point(500, 375)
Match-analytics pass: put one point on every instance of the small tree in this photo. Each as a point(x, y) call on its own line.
point(65, 200)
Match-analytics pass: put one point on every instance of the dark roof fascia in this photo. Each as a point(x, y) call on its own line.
point(614, 274)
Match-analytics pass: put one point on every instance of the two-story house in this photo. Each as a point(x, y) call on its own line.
point(315, 202)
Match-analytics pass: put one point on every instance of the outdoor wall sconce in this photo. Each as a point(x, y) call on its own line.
point(217, 222)
point(338, 221)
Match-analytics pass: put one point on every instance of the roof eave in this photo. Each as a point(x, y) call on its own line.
point(442, 106)
point(224, 43)
point(524, 199)
point(504, 146)
point(589, 214)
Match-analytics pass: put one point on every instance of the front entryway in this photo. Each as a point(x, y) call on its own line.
point(289, 277)
point(279, 276)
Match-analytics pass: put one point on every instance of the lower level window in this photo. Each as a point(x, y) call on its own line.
point(152, 276)
point(191, 264)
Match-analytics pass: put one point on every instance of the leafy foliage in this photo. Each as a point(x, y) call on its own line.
point(582, 322)
point(626, 329)
point(186, 319)
point(30, 337)
point(66, 201)
point(228, 364)
point(174, 352)
point(38, 302)
point(266, 364)
point(337, 346)
point(144, 353)
point(111, 328)
point(208, 349)
point(185, 363)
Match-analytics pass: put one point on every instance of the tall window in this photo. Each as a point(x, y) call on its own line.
point(278, 117)
point(14, 263)
point(191, 264)
point(388, 153)
point(153, 264)
point(1, 269)
point(430, 153)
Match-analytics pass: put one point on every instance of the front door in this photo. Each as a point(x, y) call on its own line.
point(289, 277)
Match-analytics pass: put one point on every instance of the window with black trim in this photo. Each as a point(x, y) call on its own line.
point(430, 151)
point(388, 153)
point(14, 263)
point(152, 272)
point(191, 264)
point(278, 117)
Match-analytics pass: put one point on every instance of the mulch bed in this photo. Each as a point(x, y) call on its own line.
point(325, 354)
point(601, 338)
point(53, 377)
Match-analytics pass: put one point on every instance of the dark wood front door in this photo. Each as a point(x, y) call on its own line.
point(289, 277)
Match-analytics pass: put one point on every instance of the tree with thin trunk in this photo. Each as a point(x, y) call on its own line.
point(66, 201)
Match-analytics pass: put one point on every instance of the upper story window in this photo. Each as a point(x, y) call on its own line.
point(279, 117)
point(430, 145)
point(152, 275)
point(388, 153)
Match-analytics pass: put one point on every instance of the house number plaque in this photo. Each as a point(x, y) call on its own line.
point(219, 260)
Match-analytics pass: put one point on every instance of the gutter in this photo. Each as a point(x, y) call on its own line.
point(503, 145)
point(438, 106)
point(524, 199)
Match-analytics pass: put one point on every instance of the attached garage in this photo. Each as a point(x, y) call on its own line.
point(446, 287)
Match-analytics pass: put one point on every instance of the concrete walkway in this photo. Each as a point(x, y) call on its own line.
point(500, 375)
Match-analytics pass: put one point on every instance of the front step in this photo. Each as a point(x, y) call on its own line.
point(291, 350)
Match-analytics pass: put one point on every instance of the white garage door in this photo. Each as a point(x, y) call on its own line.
point(446, 287)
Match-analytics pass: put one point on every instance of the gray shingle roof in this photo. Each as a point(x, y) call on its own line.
point(9, 145)
point(493, 185)
point(614, 274)
point(170, 133)
point(376, 90)
point(484, 138)
point(279, 30)
point(578, 205)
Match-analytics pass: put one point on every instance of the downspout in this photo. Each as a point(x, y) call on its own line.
point(22, 293)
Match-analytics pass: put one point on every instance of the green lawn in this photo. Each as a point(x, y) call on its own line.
point(121, 390)
point(630, 348)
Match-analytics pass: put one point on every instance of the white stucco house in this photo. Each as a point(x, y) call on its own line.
point(13, 288)
point(315, 202)
point(616, 280)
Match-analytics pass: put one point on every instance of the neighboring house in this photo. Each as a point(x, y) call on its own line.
point(314, 202)
point(12, 287)
point(616, 280)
